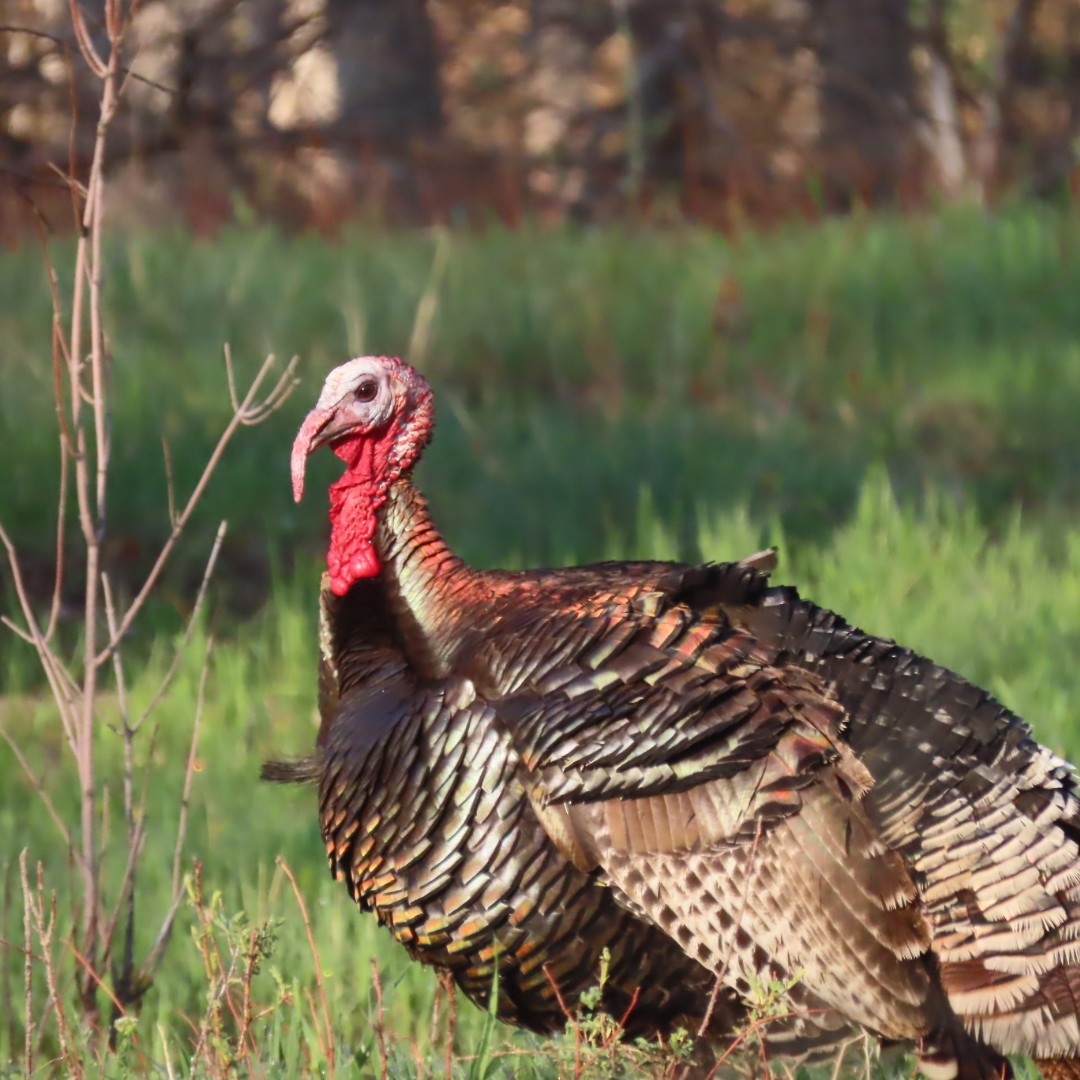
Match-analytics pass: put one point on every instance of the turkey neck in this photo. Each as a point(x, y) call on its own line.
point(429, 589)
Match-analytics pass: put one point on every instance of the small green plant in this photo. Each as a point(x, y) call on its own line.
point(233, 952)
point(594, 1045)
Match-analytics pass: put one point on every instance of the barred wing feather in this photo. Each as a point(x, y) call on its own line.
point(791, 799)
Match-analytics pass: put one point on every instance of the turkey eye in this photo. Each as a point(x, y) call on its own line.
point(368, 390)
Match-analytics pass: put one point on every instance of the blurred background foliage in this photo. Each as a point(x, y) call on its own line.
point(463, 111)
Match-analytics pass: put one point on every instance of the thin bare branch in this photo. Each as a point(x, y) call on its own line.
point(60, 680)
point(157, 950)
point(39, 788)
point(193, 619)
point(240, 417)
point(134, 828)
point(29, 31)
point(153, 958)
point(117, 657)
point(230, 378)
point(28, 970)
point(169, 1072)
point(714, 996)
point(328, 1049)
point(189, 770)
point(128, 72)
point(429, 301)
point(273, 401)
point(71, 182)
point(841, 1054)
point(21, 594)
point(114, 22)
point(17, 630)
point(60, 361)
point(86, 45)
point(61, 513)
point(170, 485)
point(126, 892)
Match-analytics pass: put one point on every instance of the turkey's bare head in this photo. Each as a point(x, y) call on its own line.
point(376, 414)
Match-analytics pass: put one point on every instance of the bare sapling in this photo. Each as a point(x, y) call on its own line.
point(100, 945)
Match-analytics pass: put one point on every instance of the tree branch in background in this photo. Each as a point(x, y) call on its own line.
point(247, 413)
point(81, 373)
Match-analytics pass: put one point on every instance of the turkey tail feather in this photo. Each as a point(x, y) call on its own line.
point(305, 770)
point(986, 818)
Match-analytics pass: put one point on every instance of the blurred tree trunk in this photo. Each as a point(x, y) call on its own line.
point(942, 128)
point(616, 87)
point(675, 47)
point(387, 68)
point(997, 101)
point(558, 126)
point(868, 111)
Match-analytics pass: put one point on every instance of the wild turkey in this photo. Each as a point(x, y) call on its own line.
point(708, 776)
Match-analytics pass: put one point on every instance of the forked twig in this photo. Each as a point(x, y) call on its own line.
point(44, 927)
point(86, 45)
point(244, 415)
point(61, 681)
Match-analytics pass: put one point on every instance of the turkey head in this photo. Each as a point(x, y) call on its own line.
point(376, 414)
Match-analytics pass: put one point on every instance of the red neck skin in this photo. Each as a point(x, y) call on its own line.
point(355, 500)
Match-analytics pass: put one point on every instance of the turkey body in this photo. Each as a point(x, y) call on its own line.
point(712, 779)
point(426, 816)
point(435, 823)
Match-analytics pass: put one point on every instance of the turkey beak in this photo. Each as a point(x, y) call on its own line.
point(306, 441)
point(320, 426)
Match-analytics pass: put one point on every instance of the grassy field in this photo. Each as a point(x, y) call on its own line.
point(893, 402)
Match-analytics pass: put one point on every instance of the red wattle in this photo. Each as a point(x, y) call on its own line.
point(364, 564)
point(354, 503)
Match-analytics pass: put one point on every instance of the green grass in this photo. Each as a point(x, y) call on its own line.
point(947, 347)
point(895, 406)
